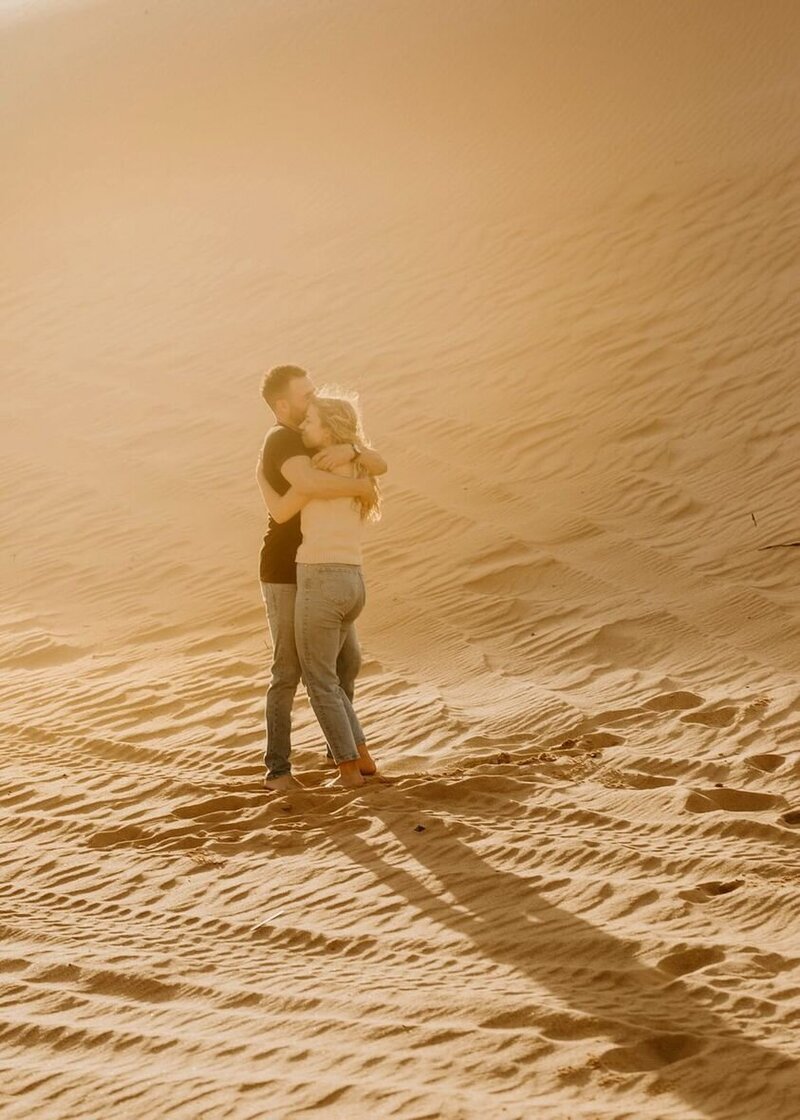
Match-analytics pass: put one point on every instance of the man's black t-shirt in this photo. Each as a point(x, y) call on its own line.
point(279, 551)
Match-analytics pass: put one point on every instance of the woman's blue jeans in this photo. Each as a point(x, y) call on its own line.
point(330, 597)
point(280, 599)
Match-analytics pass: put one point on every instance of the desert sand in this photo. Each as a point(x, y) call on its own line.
point(556, 247)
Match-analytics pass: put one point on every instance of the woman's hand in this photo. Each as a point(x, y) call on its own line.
point(370, 487)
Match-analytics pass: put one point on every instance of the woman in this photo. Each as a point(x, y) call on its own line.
point(330, 582)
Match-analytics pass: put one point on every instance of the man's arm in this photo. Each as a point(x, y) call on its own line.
point(311, 483)
point(342, 453)
point(282, 507)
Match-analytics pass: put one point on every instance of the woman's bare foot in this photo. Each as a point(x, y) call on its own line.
point(366, 763)
point(350, 775)
point(281, 784)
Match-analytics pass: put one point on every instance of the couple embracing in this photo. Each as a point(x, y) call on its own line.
point(318, 479)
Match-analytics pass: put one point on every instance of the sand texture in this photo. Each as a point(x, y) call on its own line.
point(556, 246)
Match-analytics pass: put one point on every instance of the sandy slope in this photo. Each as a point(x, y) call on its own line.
point(556, 247)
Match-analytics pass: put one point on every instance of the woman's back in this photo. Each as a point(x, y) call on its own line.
point(332, 530)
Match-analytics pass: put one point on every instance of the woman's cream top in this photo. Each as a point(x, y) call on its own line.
point(332, 530)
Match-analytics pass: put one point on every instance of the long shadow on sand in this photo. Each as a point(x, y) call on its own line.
point(654, 1023)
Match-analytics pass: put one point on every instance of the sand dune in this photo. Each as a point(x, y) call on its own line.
point(555, 245)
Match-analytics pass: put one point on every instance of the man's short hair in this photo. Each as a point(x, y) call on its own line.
point(275, 383)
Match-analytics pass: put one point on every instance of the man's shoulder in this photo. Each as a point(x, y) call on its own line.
point(283, 442)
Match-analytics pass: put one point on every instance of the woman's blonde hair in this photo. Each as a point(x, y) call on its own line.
point(340, 414)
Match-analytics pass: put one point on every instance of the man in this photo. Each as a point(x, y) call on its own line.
point(285, 461)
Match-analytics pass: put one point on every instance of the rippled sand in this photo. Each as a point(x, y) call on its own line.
point(557, 248)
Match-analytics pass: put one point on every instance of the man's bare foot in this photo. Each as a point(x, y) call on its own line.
point(366, 763)
point(350, 775)
point(284, 782)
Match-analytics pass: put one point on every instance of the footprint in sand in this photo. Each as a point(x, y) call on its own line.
point(653, 1053)
point(718, 716)
point(704, 892)
point(755, 707)
point(766, 763)
point(731, 801)
point(674, 702)
point(700, 712)
point(690, 959)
